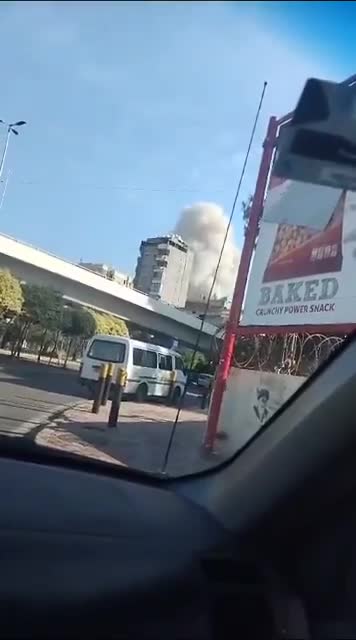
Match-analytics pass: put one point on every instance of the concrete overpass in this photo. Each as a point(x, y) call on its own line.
point(80, 285)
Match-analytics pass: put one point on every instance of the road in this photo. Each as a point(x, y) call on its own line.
point(30, 393)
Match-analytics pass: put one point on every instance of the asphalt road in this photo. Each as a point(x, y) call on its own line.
point(30, 393)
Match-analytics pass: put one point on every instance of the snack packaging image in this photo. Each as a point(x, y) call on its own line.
point(301, 251)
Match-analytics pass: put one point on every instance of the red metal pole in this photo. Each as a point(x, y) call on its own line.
point(228, 346)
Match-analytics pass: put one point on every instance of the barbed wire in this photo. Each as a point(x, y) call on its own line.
point(295, 354)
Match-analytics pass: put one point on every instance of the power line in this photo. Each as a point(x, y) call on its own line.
point(197, 343)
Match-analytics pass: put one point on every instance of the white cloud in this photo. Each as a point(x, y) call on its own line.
point(203, 226)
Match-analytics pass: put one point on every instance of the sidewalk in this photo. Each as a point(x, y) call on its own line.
point(140, 439)
point(32, 357)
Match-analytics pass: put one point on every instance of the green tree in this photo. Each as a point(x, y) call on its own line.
point(78, 322)
point(11, 296)
point(117, 327)
point(109, 325)
point(43, 307)
point(78, 325)
point(199, 363)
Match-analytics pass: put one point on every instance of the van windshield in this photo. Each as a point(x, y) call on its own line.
point(107, 351)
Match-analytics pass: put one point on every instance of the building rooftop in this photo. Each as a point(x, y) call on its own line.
point(171, 237)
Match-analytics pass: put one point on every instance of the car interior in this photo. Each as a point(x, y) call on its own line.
point(262, 546)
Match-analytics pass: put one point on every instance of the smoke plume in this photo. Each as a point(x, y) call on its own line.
point(203, 226)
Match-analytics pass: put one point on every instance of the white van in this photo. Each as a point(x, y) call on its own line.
point(149, 367)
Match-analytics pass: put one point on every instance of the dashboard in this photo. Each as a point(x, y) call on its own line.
point(84, 552)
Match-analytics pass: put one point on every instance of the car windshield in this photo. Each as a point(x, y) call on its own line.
point(106, 350)
point(138, 201)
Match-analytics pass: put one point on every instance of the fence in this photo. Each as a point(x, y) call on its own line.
point(295, 354)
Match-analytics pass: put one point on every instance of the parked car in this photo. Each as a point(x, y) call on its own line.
point(193, 377)
point(205, 380)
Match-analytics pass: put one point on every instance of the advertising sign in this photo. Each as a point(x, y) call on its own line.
point(304, 267)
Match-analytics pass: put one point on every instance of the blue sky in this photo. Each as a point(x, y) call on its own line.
point(137, 109)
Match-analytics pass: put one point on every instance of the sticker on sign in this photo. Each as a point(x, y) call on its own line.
point(339, 175)
point(296, 203)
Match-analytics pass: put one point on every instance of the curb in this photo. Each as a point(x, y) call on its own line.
point(45, 420)
point(90, 451)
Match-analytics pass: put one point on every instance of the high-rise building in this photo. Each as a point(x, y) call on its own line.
point(163, 269)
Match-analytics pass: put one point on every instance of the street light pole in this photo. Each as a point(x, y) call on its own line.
point(4, 189)
point(3, 157)
point(10, 129)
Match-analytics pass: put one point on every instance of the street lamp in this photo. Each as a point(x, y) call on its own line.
point(10, 129)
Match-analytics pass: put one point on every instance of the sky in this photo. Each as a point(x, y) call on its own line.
point(135, 110)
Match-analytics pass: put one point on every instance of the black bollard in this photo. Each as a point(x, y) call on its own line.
point(204, 398)
point(107, 385)
point(117, 397)
point(99, 390)
point(172, 387)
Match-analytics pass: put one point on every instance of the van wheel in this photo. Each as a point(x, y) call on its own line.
point(176, 396)
point(141, 393)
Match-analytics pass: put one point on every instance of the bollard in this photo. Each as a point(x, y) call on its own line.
point(99, 390)
point(117, 397)
point(172, 387)
point(205, 398)
point(107, 385)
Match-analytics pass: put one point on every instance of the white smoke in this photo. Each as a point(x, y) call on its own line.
point(203, 226)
